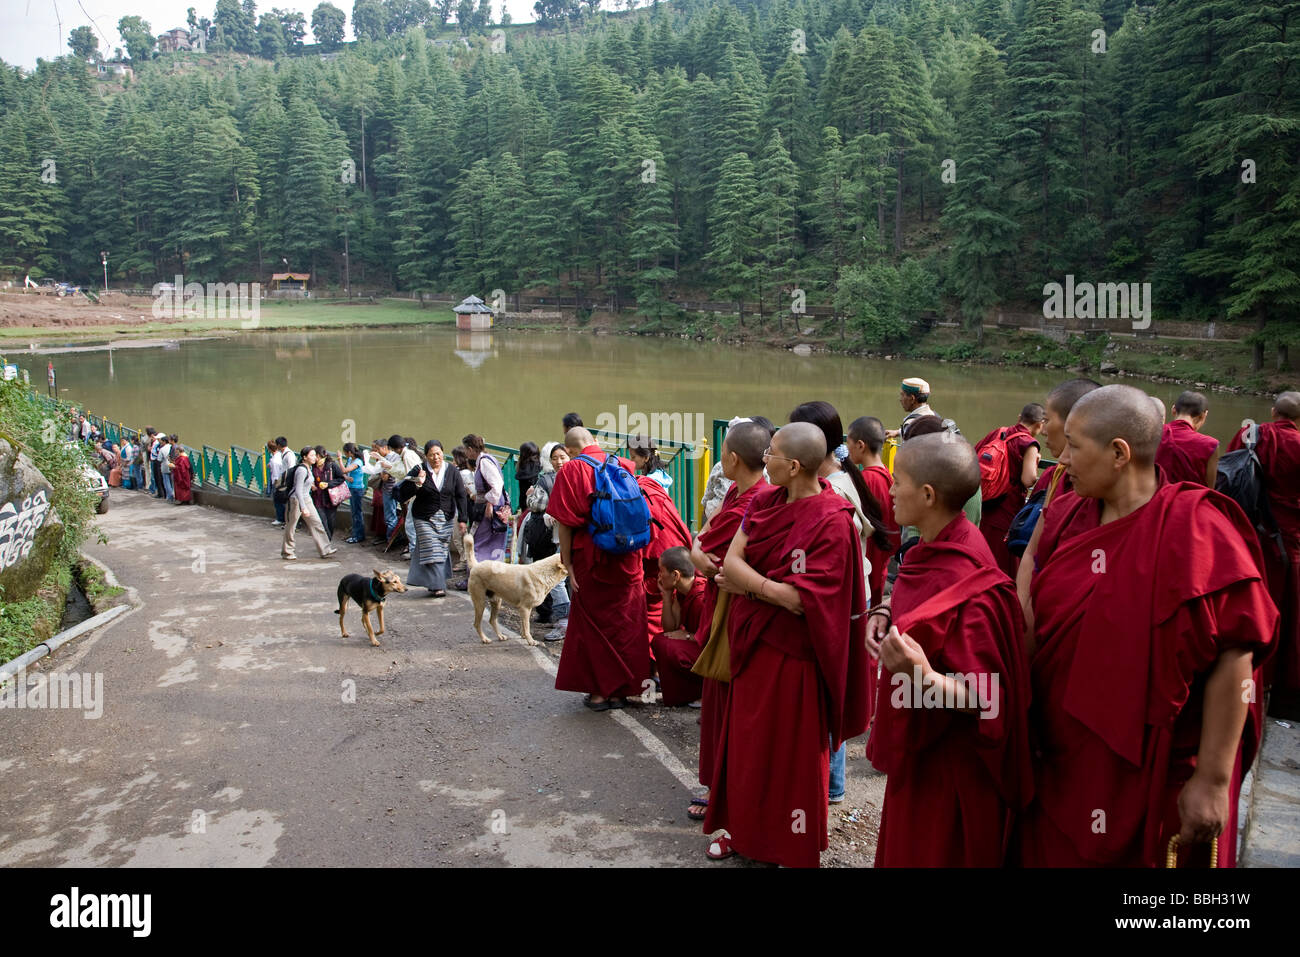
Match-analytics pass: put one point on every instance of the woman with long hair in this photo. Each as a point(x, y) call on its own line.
point(439, 501)
point(642, 451)
point(354, 473)
point(326, 475)
point(493, 503)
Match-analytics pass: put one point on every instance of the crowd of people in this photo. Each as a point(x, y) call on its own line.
point(1060, 666)
point(154, 462)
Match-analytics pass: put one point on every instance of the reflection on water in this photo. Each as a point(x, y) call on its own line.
point(436, 382)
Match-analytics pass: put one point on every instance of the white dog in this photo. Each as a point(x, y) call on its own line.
point(524, 586)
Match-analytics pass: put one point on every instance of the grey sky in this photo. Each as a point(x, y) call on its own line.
point(30, 28)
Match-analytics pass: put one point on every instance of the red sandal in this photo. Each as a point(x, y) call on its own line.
point(724, 848)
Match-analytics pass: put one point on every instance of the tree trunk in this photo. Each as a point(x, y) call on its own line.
point(898, 208)
point(1257, 350)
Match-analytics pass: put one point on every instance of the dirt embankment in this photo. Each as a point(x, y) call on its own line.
point(31, 309)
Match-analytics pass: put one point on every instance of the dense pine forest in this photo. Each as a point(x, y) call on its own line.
point(895, 158)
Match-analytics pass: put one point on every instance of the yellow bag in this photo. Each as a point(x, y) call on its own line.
point(715, 658)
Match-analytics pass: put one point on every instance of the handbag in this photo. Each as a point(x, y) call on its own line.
point(1022, 526)
point(715, 658)
point(338, 494)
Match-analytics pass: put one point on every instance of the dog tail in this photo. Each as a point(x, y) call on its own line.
point(468, 542)
point(342, 596)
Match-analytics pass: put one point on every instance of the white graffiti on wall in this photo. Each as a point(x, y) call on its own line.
point(18, 527)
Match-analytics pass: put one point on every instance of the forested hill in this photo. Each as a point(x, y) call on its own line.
point(892, 156)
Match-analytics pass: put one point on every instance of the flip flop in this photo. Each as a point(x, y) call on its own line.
point(697, 809)
point(617, 703)
point(602, 706)
point(720, 849)
point(439, 594)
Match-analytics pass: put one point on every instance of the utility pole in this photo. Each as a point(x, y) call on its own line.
point(103, 257)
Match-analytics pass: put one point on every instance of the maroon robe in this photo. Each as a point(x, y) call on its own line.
point(715, 539)
point(605, 649)
point(675, 656)
point(1278, 449)
point(879, 481)
point(667, 530)
point(1184, 453)
point(955, 779)
point(1130, 618)
point(797, 681)
point(997, 514)
point(182, 479)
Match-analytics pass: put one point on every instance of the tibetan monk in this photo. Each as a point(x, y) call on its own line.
point(605, 651)
point(1278, 449)
point(1022, 453)
point(681, 594)
point(866, 437)
point(667, 530)
point(951, 718)
point(1150, 614)
point(742, 464)
point(1184, 453)
point(799, 663)
point(1054, 479)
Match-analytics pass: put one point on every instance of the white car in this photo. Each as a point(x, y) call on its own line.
point(99, 485)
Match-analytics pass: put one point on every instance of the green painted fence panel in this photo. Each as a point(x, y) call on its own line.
point(215, 468)
point(248, 469)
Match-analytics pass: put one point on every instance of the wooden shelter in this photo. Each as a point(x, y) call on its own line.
point(472, 314)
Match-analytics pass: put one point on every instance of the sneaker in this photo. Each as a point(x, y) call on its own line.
point(277, 524)
point(290, 558)
point(557, 633)
point(332, 551)
point(836, 800)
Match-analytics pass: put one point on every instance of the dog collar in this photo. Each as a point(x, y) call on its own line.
point(372, 591)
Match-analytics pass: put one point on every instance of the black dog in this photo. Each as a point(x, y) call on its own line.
point(369, 593)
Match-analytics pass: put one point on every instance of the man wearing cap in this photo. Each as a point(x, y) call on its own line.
point(914, 397)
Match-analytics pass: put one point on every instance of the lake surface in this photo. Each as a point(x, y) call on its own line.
point(512, 386)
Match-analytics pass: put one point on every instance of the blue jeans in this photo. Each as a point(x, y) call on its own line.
point(167, 484)
point(390, 509)
point(559, 602)
point(358, 520)
point(837, 771)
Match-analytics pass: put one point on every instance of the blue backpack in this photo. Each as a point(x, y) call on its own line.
point(620, 515)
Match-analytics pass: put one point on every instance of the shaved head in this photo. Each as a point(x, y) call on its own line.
point(1032, 414)
point(748, 440)
point(1061, 399)
point(678, 559)
point(1160, 408)
point(1287, 405)
point(803, 442)
point(1120, 412)
point(578, 438)
point(945, 462)
point(1190, 403)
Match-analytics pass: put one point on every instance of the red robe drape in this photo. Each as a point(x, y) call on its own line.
point(1130, 617)
point(1184, 453)
point(675, 656)
point(879, 482)
point(798, 681)
point(997, 514)
point(667, 530)
point(715, 539)
point(182, 479)
point(605, 649)
point(955, 779)
point(1279, 453)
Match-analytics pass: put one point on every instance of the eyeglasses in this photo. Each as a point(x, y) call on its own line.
point(769, 454)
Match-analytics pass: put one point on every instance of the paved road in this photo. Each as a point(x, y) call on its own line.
point(231, 735)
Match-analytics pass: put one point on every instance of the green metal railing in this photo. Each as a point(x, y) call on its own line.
point(216, 468)
point(508, 459)
point(247, 469)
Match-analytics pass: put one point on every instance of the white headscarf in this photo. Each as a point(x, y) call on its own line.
point(547, 449)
